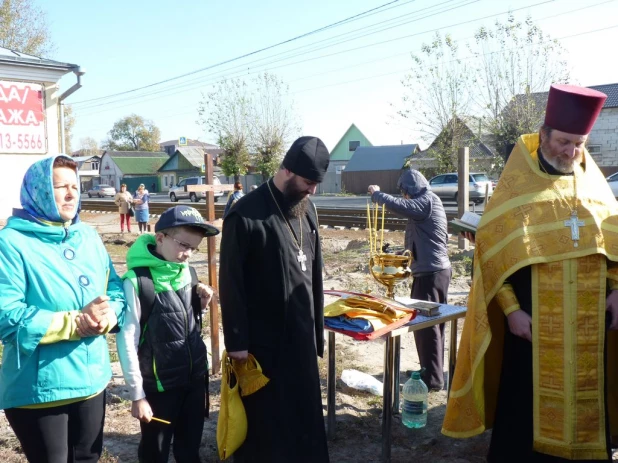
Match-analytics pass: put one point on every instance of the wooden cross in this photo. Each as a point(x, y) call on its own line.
point(212, 255)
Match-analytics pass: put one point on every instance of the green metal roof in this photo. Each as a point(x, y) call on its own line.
point(140, 165)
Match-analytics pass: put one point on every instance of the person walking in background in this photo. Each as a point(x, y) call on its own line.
point(234, 196)
point(124, 201)
point(426, 237)
point(161, 351)
point(142, 198)
point(537, 358)
point(276, 312)
point(59, 296)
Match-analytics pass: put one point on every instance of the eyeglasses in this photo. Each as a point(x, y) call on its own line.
point(184, 246)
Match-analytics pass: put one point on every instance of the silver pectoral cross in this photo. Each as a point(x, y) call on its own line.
point(574, 224)
point(302, 258)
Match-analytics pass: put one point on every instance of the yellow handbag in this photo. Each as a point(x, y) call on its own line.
point(232, 421)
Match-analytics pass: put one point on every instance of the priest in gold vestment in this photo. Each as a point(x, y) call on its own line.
point(538, 358)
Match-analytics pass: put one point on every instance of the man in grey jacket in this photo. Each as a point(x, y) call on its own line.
point(426, 237)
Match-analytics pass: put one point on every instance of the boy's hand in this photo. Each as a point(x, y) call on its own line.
point(141, 410)
point(205, 293)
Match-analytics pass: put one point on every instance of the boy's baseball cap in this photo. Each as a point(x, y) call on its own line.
point(186, 216)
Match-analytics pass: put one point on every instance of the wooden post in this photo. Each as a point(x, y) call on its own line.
point(463, 189)
point(211, 241)
point(212, 269)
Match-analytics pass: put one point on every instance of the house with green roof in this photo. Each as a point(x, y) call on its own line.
point(340, 155)
point(132, 168)
point(187, 161)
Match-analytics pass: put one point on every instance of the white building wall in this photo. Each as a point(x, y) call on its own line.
point(605, 134)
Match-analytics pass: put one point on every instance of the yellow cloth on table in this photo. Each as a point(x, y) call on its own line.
point(375, 312)
point(524, 225)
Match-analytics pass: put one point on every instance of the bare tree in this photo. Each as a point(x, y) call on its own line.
point(514, 65)
point(226, 112)
point(497, 84)
point(274, 123)
point(437, 97)
point(69, 122)
point(24, 28)
point(88, 146)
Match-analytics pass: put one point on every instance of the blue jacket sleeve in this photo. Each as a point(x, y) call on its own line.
point(19, 322)
point(412, 208)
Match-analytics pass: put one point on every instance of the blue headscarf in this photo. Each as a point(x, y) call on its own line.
point(37, 191)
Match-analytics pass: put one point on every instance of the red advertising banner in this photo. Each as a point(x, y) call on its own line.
point(22, 118)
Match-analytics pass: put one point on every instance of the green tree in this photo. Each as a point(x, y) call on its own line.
point(274, 122)
point(226, 112)
point(133, 133)
point(24, 28)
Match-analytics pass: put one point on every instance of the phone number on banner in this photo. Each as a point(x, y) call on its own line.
point(11, 142)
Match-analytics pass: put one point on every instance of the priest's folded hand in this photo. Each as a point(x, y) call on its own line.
point(239, 355)
point(520, 324)
point(611, 305)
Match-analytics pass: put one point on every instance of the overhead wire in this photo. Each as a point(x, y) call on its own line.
point(209, 77)
point(403, 70)
point(315, 31)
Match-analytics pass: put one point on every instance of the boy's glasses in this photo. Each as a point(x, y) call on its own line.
point(184, 246)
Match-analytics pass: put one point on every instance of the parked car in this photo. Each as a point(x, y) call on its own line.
point(446, 186)
point(613, 183)
point(178, 191)
point(102, 190)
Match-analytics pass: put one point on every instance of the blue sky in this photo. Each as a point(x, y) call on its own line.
point(128, 44)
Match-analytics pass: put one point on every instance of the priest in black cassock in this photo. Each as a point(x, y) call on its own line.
point(271, 294)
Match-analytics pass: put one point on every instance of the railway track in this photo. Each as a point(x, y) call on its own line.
point(333, 217)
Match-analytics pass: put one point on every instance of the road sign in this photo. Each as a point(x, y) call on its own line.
point(182, 141)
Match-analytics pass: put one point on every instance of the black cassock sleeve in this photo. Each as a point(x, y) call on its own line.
point(232, 292)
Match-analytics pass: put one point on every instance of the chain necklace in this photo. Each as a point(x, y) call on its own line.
point(301, 257)
point(573, 222)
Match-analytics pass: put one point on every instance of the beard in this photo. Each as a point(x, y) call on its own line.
point(296, 201)
point(559, 162)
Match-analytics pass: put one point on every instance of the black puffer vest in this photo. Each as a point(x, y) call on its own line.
point(171, 352)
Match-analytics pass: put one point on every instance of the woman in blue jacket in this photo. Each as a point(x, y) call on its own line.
point(59, 296)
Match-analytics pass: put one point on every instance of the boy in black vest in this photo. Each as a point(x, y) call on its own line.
point(163, 357)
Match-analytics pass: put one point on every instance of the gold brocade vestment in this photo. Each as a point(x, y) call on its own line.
point(524, 225)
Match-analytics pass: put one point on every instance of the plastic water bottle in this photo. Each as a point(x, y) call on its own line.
point(414, 402)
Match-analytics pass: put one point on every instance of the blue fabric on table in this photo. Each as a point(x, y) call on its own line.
point(341, 322)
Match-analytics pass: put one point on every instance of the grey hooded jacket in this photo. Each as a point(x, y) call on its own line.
point(426, 231)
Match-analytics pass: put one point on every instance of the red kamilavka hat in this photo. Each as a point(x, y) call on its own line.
point(573, 109)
